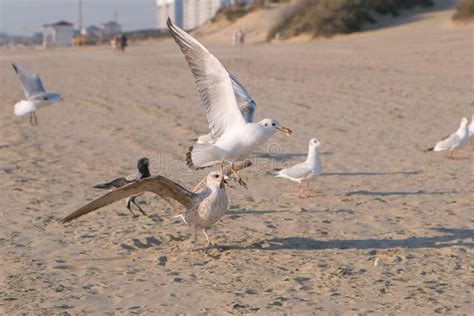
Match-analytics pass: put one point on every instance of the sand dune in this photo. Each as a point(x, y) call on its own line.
point(374, 99)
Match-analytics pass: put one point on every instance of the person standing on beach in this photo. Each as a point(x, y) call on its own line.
point(123, 42)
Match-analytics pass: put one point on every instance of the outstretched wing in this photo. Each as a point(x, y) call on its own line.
point(31, 83)
point(213, 83)
point(162, 186)
point(246, 103)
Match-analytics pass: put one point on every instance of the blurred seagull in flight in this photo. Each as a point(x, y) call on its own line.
point(455, 141)
point(203, 208)
point(305, 171)
point(35, 94)
point(142, 172)
point(232, 137)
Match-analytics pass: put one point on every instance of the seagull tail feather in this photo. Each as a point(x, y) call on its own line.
point(24, 107)
point(200, 156)
point(275, 171)
point(103, 186)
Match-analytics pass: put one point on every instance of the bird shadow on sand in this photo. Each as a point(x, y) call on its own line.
point(284, 156)
point(148, 243)
point(452, 237)
point(368, 173)
point(401, 193)
point(252, 212)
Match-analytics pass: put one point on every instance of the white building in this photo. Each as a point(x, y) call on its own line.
point(187, 14)
point(58, 34)
point(110, 28)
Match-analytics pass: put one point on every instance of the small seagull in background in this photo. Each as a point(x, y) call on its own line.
point(35, 93)
point(455, 141)
point(142, 172)
point(305, 171)
point(471, 132)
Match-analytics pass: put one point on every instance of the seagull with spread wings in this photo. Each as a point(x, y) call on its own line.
point(232, 137)
point(203, 206)
point(35, 93)
point(455, 141)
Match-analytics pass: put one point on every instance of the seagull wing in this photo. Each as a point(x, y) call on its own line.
point(298, 171)
point(213, 83)
point(246, 103)
point(162, 186)
point(31, 83)
point(447, 143)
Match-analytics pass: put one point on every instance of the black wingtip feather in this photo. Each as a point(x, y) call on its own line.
point(15, 67)
point(189, 159)
point(102, 186)
point(429, 149)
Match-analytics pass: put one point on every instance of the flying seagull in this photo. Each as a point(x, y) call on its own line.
point(455, 141)
point(246, 103)
point(142, 172)
point(35, 94)
point(305, 171)
point(233, 138)
point(203, 208)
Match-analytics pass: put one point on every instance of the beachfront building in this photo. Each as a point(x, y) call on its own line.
point(58, 34)
point(188, 14)
point(110, 28)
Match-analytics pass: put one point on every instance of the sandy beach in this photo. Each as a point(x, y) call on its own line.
point(390, 229)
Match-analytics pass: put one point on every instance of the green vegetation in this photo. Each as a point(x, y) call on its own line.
point(464, 11)
point(324, 18)
point(240, 9)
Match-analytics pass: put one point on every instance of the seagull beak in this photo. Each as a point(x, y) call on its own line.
point(285, 130)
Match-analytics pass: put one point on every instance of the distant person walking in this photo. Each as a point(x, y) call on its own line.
point(123, 42)
point(241, 37)
point(115, 43)
point(235, 38)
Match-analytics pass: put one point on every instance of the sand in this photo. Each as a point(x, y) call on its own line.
point(390, 228)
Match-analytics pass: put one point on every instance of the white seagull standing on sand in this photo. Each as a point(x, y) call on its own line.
point(35, 93)
point(471, 132)
point(455, 141)
point(203, 208)
point(233, 138)
point(305, 171)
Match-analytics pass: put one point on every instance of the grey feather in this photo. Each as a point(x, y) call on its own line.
point(31, 83)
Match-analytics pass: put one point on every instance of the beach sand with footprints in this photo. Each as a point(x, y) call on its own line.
point(389, 229)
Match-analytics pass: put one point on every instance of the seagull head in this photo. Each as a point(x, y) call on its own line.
point(142, 166)
point(272, 126)
point(215, 180)
point(314, 143)
point(52, 97)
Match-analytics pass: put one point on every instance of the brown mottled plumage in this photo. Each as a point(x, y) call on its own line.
point(203, 207)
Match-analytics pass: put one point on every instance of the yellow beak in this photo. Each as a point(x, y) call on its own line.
point(285, 130)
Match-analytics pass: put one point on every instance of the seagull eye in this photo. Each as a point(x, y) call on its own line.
point(216, 176)
point(266, 124)
point(273, 124)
